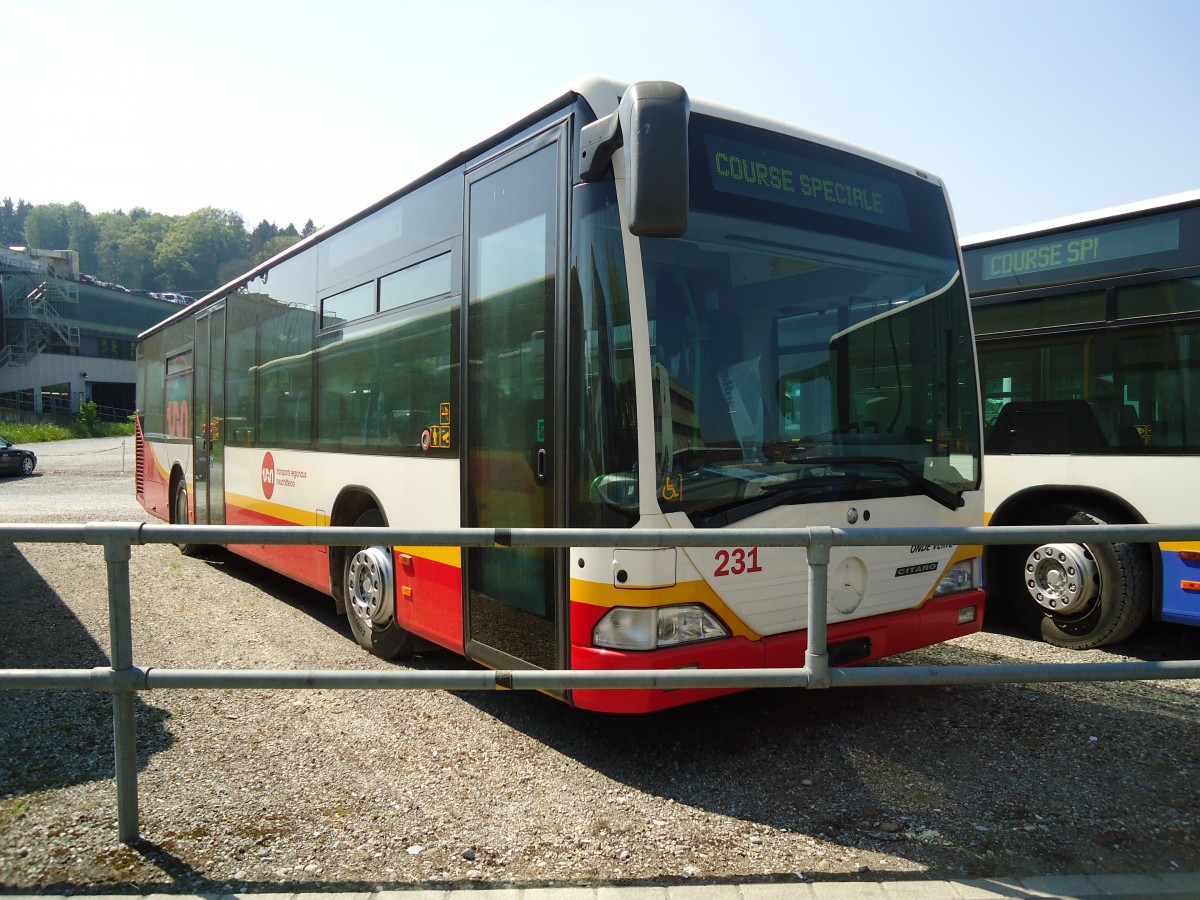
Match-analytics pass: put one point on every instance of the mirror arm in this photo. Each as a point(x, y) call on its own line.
point(598, 142)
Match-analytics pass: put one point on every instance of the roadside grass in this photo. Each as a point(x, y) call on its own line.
point(20, 433)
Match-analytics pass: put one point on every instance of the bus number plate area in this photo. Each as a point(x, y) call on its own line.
point(738, 561)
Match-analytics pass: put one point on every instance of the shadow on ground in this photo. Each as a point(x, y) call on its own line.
point(55, 738)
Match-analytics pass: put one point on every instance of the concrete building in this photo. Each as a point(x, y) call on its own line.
point(64, 339)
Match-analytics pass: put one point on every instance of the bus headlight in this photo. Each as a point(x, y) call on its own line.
point(628, 628)
point(962, 576)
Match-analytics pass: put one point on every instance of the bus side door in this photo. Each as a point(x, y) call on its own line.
point(209, 413)
point(513, 614)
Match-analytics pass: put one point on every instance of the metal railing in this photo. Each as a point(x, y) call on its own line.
point(123, 679)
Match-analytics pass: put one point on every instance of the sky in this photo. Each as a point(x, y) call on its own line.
point(284, 111)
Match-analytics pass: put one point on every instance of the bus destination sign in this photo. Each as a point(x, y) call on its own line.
point(767, 174)
point(1094, 245)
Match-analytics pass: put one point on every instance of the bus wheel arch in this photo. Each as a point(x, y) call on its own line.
point(179, 509)
point(365, 582)
point(1075, 595)
point(351, 503)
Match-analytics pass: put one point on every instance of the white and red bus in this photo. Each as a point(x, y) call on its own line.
point(626, 310)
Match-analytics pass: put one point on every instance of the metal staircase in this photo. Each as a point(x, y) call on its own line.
point(30, 294)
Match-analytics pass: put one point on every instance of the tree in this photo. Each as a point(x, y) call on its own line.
point(126, 244)
point(198, 246)
point(138, 249)
point(147, 250)
point(12, 221)
point(82, 235)
point(113, 228)
point(276, 245)
point(47, 227)
point(262, 233)
point(55, 226)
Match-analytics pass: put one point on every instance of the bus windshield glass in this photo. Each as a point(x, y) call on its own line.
point(810, 337)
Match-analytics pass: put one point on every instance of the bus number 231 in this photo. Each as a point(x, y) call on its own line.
point(738, 561)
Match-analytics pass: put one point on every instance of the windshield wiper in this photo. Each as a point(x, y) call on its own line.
point(903, 468)
point(824, 487)
point(794, 491)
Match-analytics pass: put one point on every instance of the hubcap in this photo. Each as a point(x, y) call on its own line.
point(369, 587)
point(1061, 578)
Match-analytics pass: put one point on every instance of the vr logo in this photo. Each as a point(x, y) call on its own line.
point(268, 475)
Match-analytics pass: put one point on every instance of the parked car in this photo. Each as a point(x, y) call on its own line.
point(14, 461)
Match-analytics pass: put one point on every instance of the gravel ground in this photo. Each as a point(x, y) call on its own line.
point(305, 791)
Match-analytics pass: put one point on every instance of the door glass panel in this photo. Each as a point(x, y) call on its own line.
point(216, 419)
point(511, 297)
point(200, 429)
point(209, 438)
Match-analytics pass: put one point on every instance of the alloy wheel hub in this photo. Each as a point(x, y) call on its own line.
point(370, 585)
point(1061, 578)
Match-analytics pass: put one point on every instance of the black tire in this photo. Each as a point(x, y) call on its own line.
point(1120, 586)
point(26, 465)
point(369, 586)
point(179, 516)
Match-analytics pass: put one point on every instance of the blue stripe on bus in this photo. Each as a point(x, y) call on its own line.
point(1179, 605)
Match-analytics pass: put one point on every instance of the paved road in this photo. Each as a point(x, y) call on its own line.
point(1075, 887)
point(95, 456)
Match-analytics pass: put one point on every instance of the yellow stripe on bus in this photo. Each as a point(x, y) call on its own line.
point(447, 556)
point(450, 556)
point(1176, 546)
point(277, 511)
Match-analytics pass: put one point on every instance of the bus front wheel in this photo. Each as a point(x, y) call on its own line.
point(1078, 595)
point(369, 583)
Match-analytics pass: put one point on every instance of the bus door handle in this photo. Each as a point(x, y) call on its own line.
point(541, 465)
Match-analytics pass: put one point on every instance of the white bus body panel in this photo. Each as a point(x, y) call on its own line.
point(305, 484)
point(1161, 499)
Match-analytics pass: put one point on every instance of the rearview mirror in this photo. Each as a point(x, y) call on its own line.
point(651, 123)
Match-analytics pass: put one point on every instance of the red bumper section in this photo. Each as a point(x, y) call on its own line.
point(849, 643)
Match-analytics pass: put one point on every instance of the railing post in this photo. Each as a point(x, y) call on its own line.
point(120, 629)
point(816, 656)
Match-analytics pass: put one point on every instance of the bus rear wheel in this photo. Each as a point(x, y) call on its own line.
point(179, 516)
point(1078, 595)
point(369, 586)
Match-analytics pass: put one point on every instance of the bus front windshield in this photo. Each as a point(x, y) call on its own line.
point(809, 334)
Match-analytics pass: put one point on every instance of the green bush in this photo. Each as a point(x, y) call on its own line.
point(114, 429)
point(88, 420)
